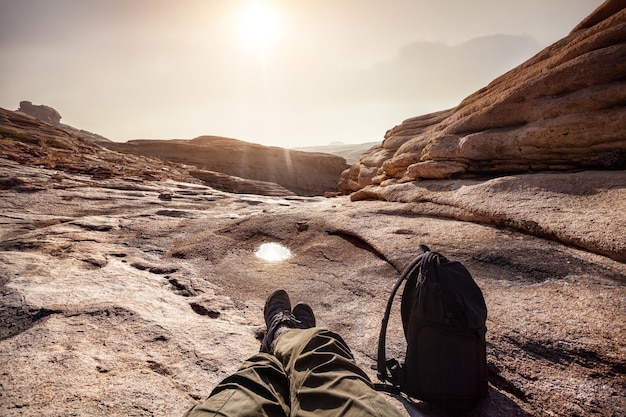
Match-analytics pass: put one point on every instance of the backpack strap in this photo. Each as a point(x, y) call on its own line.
point(383, 365)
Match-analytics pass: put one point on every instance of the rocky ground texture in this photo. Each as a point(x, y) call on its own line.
point(123, 296)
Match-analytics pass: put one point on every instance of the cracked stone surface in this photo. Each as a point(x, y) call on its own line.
point(127, 297)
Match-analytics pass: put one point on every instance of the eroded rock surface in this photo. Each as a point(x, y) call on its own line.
point(128, 297)
point(563, 109)
point(584, 209)
point(130, 288)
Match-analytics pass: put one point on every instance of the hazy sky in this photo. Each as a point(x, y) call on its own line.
point(278, 72)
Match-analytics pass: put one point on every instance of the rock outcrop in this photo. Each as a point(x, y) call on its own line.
point(303, 173)
point(44, 113)
point(29, 141)
point(564, 109)
point(223, 163)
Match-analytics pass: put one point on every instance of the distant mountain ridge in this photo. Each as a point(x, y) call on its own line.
point(350, 152)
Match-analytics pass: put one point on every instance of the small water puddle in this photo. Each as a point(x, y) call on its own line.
point(273, 252)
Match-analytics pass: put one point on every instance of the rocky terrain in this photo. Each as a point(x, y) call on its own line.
point(227, 164)
point(302, 173)
point(130, 288)
point(129, 296)
point(27, 140)
point(129, 285)
point(563, 109)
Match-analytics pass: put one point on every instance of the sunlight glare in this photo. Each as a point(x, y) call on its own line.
point(273, 252)
point(258, 24)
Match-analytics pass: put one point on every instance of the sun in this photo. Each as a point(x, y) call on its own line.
point(258, 24)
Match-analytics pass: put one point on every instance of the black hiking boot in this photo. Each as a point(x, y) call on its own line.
point(304, 314)
point(278, 317)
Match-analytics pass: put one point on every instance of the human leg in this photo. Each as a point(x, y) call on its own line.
point(324, 378)
point(259, 388)
point(312, 373)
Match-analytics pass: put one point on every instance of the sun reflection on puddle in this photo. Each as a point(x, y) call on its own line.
point(273, 252)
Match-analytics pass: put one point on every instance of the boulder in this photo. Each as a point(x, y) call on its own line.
point(564, 109)
point(41, 112)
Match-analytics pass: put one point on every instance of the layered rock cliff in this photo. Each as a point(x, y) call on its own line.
point(303, 173)
point(225, 164)
point(564, 109)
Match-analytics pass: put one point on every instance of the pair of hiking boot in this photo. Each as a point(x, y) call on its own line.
point(279, 316)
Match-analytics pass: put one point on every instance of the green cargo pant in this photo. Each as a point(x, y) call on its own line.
point(312, 373)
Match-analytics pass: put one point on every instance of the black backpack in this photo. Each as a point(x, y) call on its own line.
point(443, 316)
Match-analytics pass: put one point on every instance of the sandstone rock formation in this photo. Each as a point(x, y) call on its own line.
point(239, 185)
point(563, 109)
point(41, 112)
point(303, 173)
point(225, 164)
point(128, 296)
point(128, 288)
point(29, 141)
